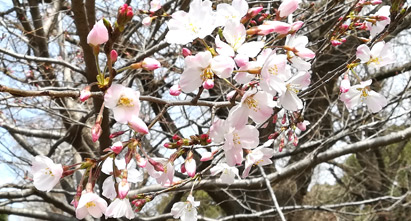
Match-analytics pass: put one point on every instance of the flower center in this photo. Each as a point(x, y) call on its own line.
point(193, 28)
point(273, 70)
point(293, 88)
point(236, 138)
point(90, 204)
point(364, 93)
point(125, 101)
point(252, 104)
point(48, 172)
point(375, 60)
point(207, 74)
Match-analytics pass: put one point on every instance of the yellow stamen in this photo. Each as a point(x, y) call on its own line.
point(125, 101)
point(90, 204)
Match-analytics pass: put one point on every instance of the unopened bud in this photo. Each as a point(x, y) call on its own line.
point(150, 64)
point(157, 166)
point(284, 120)
point(116, 134)
point(113, 55)
point(176, 137)
point(96, 132)
point(117, 147)
point(175, 90)
point(85, 94)
point(280, 148)
point(273, 135)
point(208, 84)
point(186, 52)
point(335, 42)
point(295, 142)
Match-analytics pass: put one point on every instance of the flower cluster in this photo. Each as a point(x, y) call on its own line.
point(266, 79)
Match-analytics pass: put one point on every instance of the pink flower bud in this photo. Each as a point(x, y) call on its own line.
point(96, 132)
point(130, 13)
point(296, 26)
point(167, 145)
point(147, 21)
point(183, 168)
point(302, 125)
point(123, 188)
point(287, 7)
point(113, 55)
point(117, 147)
point(344, 26)
point(335, 42)
point(85, 94)
point(175, 90)
point(206, 156)
point(141, 162)
point(176, 137)
point(290, 135)
point(273, 136)
point(190, 166)
point(376, 2)
point(275, 118)
point(280, 148)
point(208, 84)
point(186, 52)
point(343, 40)
point(284, 120)
point(345, 84)
point(116, 134)
point(381, 18)
point(278, 26)
point(138, 125)
point(157, 166)
point(98, 35)
point(254, 11)
point(150, 64)
point(295, 142)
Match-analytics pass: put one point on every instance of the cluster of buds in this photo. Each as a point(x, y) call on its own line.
point(125, 14)
point(141, 201)
point(202, 139)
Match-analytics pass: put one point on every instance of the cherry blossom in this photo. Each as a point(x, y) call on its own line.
point(155, 5)
point(123, 101)
point(289, 100)
point(175, 90)
point(119, 208)
point(164, 176)
point(361, 93)
point(46, 174)
point(235, 139)
point(259, 156)
point(298, 53)
point(235, 34)
point(199, 22)
point(90, 203)
point(382, 18)
point(228, 173)
point(245, 77)
point(380, 55)
point(203, 66)
point(258, 105)
point(287, 7)
point(98, 35)
point(233, 12)
point(186, 211)
point(274, 74)
point(133, 175)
